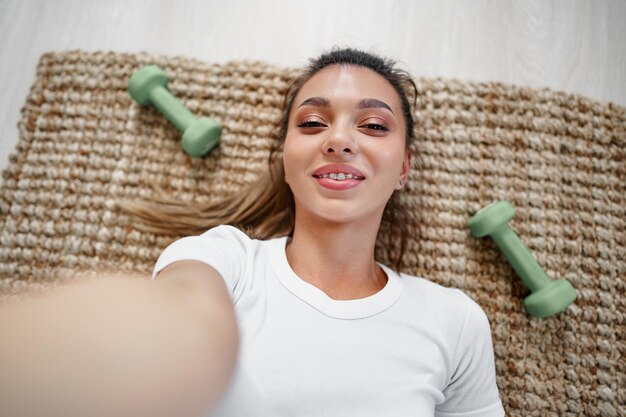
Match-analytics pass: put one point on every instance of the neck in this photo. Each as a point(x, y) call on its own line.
point(337, 258)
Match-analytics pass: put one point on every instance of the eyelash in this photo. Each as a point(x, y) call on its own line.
point(372, 126)
point(376, 126)
point(311, 123)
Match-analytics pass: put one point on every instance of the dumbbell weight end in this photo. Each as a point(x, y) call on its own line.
point(202, 136)
point(553, 298)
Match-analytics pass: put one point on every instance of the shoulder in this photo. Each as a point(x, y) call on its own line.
point(224, 237)
point(225, 231)
point(436, 295)
point(444, 306)
point(219, 245)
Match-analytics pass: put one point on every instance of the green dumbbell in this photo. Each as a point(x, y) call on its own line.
point(548, 297)
point(148, 86)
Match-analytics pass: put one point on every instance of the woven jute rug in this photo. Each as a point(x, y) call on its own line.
point(558, 158)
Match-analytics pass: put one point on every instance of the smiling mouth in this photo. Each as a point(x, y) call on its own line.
point(337, 184)
point(340, 177)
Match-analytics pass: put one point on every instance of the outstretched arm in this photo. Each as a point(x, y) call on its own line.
point(121, 346)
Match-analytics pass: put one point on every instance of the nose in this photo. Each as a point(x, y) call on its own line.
point(340, 142)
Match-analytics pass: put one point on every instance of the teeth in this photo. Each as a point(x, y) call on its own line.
point(339, 176)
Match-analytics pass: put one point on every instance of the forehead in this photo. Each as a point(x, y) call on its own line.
point(349, 82)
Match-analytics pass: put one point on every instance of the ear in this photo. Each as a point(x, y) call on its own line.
point(406, 168)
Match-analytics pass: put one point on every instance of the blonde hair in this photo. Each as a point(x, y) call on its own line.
point(265, 208)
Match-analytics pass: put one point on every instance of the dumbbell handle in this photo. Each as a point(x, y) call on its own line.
point(171, 107)
point(520, 258)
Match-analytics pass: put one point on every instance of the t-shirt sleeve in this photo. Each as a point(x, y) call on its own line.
point(472, 389)
point(222, 247)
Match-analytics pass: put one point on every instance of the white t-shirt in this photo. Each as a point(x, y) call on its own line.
point(414, 349)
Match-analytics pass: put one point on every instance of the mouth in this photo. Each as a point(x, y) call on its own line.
point(340, 176)
point(338, 182)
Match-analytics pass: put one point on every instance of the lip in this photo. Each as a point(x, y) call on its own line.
point(337, 185)
point(338, 168)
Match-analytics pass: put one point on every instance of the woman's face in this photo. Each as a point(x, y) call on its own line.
point(345, 118)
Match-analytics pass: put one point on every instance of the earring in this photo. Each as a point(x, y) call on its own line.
point(401, 182)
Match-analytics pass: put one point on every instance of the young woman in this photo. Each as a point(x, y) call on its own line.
point(293, 318)
point(326, 330)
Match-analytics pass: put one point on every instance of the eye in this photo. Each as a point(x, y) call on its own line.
point(311, 123)
point(375, 126)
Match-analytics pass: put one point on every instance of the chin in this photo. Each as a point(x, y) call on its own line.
point(338, 219)
point(339, 215)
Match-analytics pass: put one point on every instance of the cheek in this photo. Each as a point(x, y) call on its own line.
point(388, 159)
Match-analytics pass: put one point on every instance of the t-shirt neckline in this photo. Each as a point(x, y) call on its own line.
point(341, 309)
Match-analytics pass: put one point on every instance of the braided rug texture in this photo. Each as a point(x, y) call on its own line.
point(557, 158)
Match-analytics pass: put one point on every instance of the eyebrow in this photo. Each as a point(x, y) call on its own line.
point(370, 103)
point(315, 102)
point(366, 103)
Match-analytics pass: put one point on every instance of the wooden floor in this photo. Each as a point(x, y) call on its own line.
point(575, 46)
